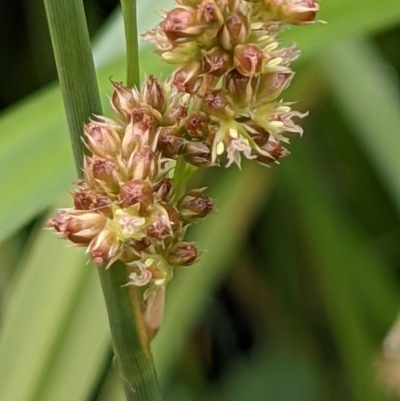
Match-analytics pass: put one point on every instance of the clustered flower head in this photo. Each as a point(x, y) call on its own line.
point(230, 61)
point(222, 102)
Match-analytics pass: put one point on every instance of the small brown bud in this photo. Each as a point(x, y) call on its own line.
point(175, 115)
point(170, 144)
point(92, 200)
point(216, 62)
point(154, 94)
point(218, 103)
point(210, 15)
point(239, 88)
point(261, 136)
point(122, 101)
point(78, 228)
point(181, 25)
point(101, 140)
point(271, 86)
point(136, 191)
point(174, 219)
point(195, 205)
point(248, 59)
point(101, 172)
point(137, 134)
point(182, 254)
point(162, 189)
point(275, 152)
point(197, 125)
point(235, 31)
point(198, 154)
point(143, 164)
point(187, 78)
point(299, 12)
point(105, 248)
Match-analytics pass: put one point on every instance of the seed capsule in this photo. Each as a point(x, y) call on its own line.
point(182, 254)
point(136, 192)
point(195, 205)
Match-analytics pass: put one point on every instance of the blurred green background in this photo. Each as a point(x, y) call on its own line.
point(299, 284)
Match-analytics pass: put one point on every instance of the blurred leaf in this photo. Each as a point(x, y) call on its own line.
point(272, 377)
point(344, 268)
point(363, 87)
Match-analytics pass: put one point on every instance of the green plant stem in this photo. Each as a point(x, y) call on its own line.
point(131, 39)
point(129, 336)
point(74, 60)
point(81, 98)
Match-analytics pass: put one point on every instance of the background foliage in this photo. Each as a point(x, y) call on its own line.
point(300, 281)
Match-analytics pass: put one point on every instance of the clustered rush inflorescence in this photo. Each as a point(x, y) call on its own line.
point(222, 102)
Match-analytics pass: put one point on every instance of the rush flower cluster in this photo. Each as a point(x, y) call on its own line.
point(222, 102)
point(230, 60)
point(126, 207)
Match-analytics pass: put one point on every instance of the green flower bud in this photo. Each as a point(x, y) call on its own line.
point(195, 205)
point(182, 254)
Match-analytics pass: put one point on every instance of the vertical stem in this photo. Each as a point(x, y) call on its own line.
point(76, 72)
point(129, 336)
point(132, 46)
point(80, 93)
